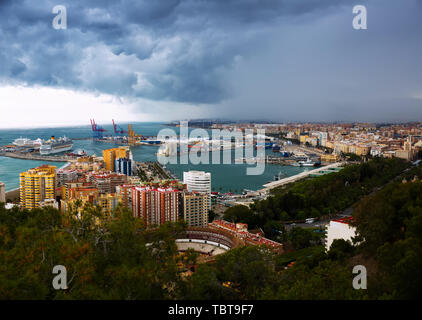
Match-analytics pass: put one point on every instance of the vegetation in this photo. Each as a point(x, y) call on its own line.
point(317, 197)
point(390, 222)
point(388, 244)
point(142, 175)
point(117, 258)
point(110, 260)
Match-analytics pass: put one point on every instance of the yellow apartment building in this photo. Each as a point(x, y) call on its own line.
point(37, 185)
point(110, 155)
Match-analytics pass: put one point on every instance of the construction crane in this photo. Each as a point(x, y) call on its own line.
point(97, 131)
point(118, 129)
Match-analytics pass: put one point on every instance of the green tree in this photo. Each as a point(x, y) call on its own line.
point(300, 237)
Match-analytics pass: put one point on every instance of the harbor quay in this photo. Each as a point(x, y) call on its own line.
point(61, 158)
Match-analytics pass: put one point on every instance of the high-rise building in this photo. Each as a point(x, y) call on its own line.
point(198, 181)
point(110, 156)
point(123, 165)
point(37, 185)
point(195, 209)
point(2, 192)
point(155, 205)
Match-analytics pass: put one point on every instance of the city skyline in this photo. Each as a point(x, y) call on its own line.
point(141, 61)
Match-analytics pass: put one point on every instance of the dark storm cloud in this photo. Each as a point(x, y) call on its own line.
point(253, 57)
point(197, 40)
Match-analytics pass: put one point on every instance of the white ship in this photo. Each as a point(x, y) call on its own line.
point(28, 143)
point(56, 146)
point(304, 163)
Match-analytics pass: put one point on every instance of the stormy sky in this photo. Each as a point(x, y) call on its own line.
point(149, 60)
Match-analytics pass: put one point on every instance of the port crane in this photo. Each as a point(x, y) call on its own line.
point(118, 129)
point(132, 136)
point(97, 131)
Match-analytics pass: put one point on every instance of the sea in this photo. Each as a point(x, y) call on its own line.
point(224, 177)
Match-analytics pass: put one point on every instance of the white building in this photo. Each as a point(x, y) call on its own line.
point(2, 192)
point(198, 181)
point(49, 203)
point(339, 229)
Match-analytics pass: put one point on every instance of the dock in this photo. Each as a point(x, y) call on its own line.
point(37, 157)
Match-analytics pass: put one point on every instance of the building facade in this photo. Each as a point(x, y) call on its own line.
point(66, 175)
point(339, 229)
point(123, 166)
point(2, 192)
point(198, 181)
point(110, 156)
point(37, 185)
point(195, 209)
point(155, 205)
point(107, 182)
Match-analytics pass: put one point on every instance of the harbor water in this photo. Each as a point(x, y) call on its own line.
point(224, 177)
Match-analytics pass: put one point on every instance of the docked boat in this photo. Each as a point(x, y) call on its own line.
point(28, 143)
point(56, 145)
point(285, 154)
point(77, 153)
point(305, 163)
point(150, 140)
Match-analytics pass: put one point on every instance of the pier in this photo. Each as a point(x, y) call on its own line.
point(299, 176)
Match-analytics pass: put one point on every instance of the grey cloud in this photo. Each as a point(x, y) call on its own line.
point(251, 57)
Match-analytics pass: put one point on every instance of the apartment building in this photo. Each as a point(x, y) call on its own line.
point(37, 185)
point(155, 205)
point(110, 156)
point(195, 209)
point(198, 181)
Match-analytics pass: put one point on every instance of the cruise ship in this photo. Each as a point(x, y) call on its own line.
point(56, 146)
point(28, 143)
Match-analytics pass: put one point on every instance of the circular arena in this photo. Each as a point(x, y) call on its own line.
point(206, 241)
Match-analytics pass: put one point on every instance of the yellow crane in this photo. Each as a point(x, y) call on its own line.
point(132, 136)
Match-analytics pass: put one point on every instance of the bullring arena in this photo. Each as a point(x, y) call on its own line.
point(219, 237)
point(207, 242)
